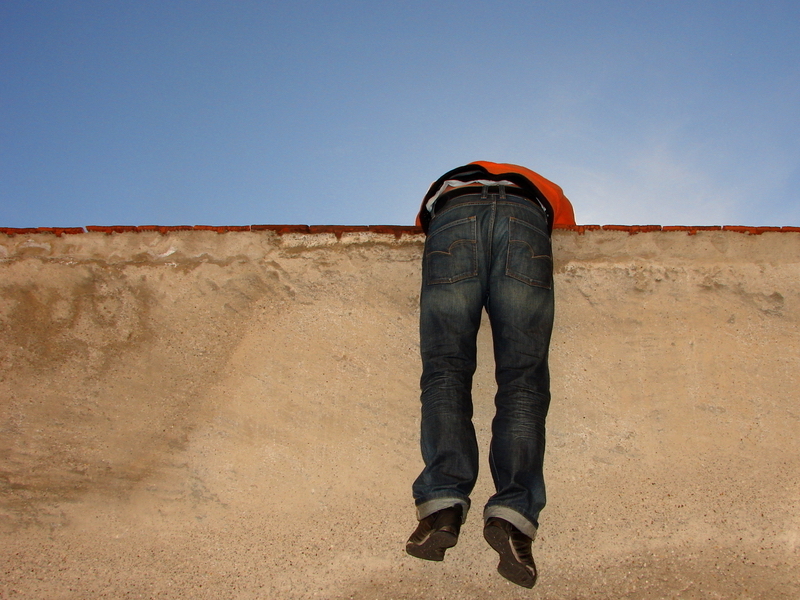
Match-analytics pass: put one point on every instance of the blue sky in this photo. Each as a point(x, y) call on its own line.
point(239, 112)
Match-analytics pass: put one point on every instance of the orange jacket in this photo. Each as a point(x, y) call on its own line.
point(561, 212)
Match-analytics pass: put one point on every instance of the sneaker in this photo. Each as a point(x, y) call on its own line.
point(435, 534)
point(514, 547)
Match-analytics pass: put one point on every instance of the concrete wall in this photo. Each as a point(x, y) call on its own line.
point(233, 414)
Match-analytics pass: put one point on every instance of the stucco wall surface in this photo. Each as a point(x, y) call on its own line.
point(205, 414)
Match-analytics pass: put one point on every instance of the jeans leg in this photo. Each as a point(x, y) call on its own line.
point(520, 307)
point(451, 302)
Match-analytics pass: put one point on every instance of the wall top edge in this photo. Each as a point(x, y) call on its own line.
point(396, 230)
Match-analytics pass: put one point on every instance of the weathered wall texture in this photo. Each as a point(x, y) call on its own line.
point(234, 415)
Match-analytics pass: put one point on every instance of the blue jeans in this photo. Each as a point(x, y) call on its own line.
point(487, 251)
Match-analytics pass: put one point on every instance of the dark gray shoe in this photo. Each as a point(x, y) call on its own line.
point(435, 534)
point(514, 547)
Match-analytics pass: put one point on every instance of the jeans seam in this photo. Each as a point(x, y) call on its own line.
point(490, 243)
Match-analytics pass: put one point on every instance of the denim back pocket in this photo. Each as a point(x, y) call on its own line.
point(451, 252)
point(530, 258)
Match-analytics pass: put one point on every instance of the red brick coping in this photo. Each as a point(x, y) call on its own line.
point(396, 230)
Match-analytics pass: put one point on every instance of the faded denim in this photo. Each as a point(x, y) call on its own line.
point(486, 251)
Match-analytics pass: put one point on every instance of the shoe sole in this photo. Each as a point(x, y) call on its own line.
point(434, 547)
point(509, 567)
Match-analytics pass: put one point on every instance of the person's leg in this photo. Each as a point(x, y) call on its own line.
point(520, 307)
point(451, 302)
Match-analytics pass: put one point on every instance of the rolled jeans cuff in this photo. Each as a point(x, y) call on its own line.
point(431, 506)
point(512, 516)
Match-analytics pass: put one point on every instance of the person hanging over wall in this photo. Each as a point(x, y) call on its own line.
point(488, 229)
